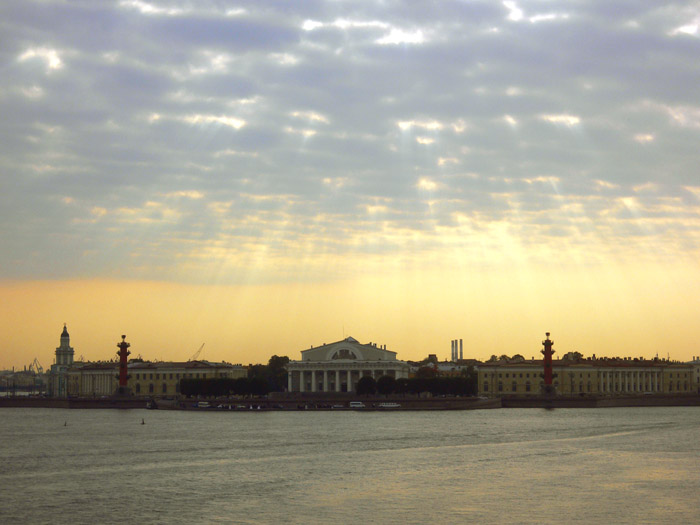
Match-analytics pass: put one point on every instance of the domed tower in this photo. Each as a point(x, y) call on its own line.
point(64, 353)
point(57, 379)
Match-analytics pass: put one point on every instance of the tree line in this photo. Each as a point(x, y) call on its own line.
point(464, 384)
point(263, 379)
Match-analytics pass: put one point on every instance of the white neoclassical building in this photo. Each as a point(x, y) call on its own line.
point(337, 367)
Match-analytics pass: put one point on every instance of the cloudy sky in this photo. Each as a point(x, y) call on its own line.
point(265, 176)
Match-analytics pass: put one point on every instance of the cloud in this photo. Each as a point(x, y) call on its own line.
point(49, 56)
point(341, 131)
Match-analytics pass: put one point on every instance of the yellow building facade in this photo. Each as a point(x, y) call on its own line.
point(147, 379)
point(606, 377)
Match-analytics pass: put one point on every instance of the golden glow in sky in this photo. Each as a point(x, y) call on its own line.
point(615, 311)
point(265, 177)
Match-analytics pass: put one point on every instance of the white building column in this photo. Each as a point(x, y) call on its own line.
point(337, 380)
point(325, 380)
point(289, 381)
point(301, 380)
point(349, 375)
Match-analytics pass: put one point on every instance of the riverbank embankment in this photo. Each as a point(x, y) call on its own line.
point(339, 402)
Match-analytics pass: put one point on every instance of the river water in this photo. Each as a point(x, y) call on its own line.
point(611, 465)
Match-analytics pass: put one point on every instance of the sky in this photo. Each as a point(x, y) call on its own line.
point(260, 177)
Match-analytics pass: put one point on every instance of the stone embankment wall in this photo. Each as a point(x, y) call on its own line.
point(599, 402)
point(320, 402)
point(48, 402)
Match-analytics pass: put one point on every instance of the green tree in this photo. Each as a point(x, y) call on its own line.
point(402, 385)
point(277, 373)
point(257, 371)
point(259, 386)
point(386, 385)
point(241, 386)
point(366, 386)
point(274, 373)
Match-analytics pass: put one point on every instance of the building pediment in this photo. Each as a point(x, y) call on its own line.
point(348, 349)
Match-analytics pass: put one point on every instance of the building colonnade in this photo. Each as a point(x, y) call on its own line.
point(630, 381)
point(338, 379)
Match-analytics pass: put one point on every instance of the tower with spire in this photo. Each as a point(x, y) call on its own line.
point(64, 353)
point(57, 381)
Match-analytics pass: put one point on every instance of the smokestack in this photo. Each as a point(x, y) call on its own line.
point(461, 350)
point(452, 350)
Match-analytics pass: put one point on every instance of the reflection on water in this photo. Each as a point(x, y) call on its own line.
point(527, 466)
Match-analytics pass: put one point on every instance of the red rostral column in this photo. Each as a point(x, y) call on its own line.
point(547, 352)
point(123, 354)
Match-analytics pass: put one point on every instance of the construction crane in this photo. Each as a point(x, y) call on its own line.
point(36, 367)
point(196, 354)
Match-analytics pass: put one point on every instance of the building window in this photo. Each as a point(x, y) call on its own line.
point(165, 388)
point(150, 376)
point(486, 387)
point(515, 386)
point(500, 387)
point(527, 386)
point(150, 388)
point(171, 376)
point(138, 388)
